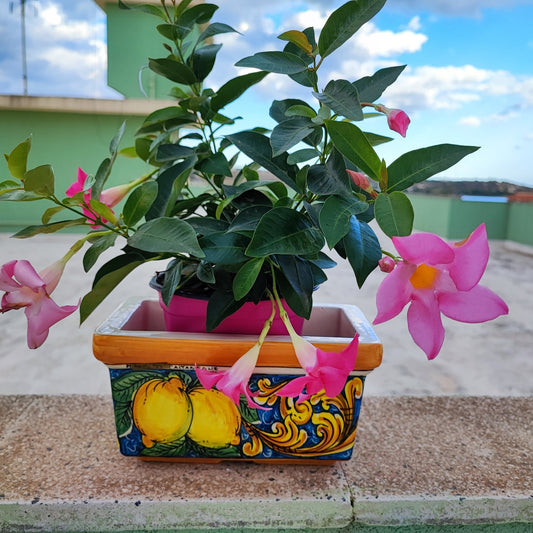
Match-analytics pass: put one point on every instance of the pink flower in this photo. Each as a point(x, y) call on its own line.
point(436, 277)
point(27, 289)
point(396, 119)
point(233, 382)
point(361, 180)
point(386, 264)
point(325, 371)
point(110, 197)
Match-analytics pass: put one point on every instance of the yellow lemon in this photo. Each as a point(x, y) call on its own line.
point(162, 411)
point(216, 421)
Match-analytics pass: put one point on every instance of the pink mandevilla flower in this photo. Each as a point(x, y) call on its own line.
point(325, 371)
point(233, 382)
point(436, 277)
point(110, 197)
point(396, 119)
point(27, 289)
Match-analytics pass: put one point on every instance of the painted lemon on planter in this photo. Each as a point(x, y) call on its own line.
point(216, 421)
point(162, 411)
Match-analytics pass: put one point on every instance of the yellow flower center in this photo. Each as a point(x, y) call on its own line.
point(424, 277)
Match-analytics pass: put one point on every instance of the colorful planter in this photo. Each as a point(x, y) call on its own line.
point(163, 413)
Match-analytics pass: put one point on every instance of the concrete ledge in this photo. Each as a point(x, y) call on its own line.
point(55, 104)
point(447, 462)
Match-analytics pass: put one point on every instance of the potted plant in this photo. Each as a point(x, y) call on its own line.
point(240, 240)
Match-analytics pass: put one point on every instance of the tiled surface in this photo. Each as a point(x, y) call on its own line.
point(417, 460)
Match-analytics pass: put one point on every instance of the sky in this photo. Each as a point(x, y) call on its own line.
point(469, 75)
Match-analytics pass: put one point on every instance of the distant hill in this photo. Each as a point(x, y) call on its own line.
point(466, 187)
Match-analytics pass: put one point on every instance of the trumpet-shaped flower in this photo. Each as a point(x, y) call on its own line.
point(325, 371)
point(25, 288)
point(110, 197)
point(233, 382)
point(436, 277)
point(396, 119)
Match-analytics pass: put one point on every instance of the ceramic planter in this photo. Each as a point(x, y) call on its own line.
point(162, 412)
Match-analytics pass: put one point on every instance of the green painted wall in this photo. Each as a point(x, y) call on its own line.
point(66, 141)
point(131, 39)
point(453, 218)
point(520, 223)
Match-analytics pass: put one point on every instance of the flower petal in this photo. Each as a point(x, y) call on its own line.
point(424, 248)
point(394, 292)
point(471, 257)
point(26, 275)
point(476, 305)
point(425, 324)
point(77, 186)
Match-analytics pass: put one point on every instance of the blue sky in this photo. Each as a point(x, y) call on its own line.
point(469, 78)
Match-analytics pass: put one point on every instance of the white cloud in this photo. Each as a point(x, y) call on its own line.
point(414, 24)
point(472, 121)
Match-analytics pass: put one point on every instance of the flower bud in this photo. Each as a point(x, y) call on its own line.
point(396, 119)
point(386, 264)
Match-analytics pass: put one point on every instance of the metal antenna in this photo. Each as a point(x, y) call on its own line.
point(23, 38)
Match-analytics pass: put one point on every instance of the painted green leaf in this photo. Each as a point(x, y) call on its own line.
point(279, 62)
point(418, 165)
point(344, 22)
point(342, 98)
point(394, 214)
point(123, 388)
point(246, 276)
point(284, 231)
point(353, 144)
point(166, 235)
point(17, 160)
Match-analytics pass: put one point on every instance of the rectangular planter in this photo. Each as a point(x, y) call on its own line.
point(162, 412)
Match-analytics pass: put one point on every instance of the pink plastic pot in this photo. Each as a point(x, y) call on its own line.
point(188, 314)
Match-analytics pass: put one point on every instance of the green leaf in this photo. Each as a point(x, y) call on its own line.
point(370, 88)
point(335, 216)
point(215, 29)
point(394, 214)
point(289, 133)
point(284, 231)
point(17, 160)
point(257, 147)
point(279, 62)
point(96, 249)
point(173, 70)
point(123, 417)
point(296, 284)
point(176, 448)
point(298, 38)
point(342, 98)
point(101, 177)
point(30, 231)
point(216, 164)
point(107, 278)
point(302, 155)
point(330, 178)
point(362, 249)
point(139, 202)
point(172, 279)
point(344, 22)
point(221, 304)
point(165, 118)
point(234, 88)
point(246, 276)
point(248, 218)
point(197, 14)
point(280, 109)
point(144, 8)
point(205, 272)
point(171, 152)
point(49, 213)
point(300, 111)
point(374, 139)
point(203, 60)
point(40, 180)
point(115, 141)
point(103, 211)
point(207, 225)
point(224, 248)
point(352, 143)
point(166, 235)
point(418, 165)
